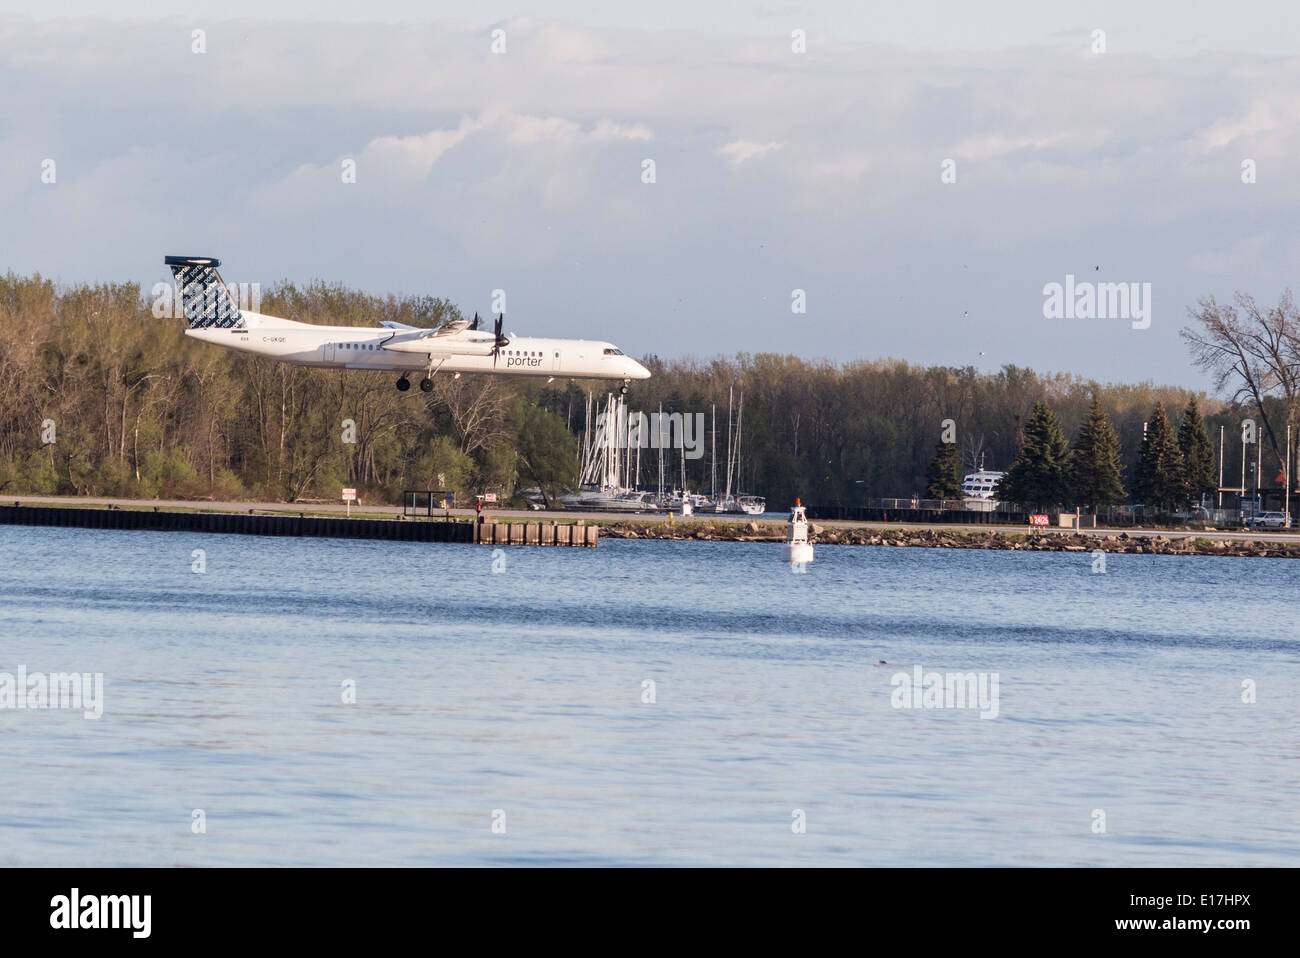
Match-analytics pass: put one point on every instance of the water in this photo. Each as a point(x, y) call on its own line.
point(521, 692)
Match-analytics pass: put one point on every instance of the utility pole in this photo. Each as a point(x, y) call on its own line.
point(1220, 467)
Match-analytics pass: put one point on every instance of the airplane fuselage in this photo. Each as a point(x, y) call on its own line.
point(405, 351)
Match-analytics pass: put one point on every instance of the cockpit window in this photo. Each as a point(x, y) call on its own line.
point(613, 352)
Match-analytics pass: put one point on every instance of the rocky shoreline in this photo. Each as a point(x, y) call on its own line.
point(959, 538)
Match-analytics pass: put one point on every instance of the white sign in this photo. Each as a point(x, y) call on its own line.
point(349, 495)
point(489, 497)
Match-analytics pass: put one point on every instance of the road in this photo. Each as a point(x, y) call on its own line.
point(507, 514)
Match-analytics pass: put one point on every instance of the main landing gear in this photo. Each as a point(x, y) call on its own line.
point(426, 384)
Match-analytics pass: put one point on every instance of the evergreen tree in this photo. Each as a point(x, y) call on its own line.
point(944, 477)
point(1096, 476)
point(1159, 480)
point(1037, 476)
point(1197, 452)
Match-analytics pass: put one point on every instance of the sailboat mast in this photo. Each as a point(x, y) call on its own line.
point(740, 415)
point(713, 456)
point(730, 392)
point(661, 452)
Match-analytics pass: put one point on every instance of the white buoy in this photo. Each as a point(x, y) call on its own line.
point(797, 546)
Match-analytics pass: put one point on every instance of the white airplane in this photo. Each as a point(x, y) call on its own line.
point(458, 346)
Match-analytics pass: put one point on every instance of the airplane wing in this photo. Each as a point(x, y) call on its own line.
point(451, 328)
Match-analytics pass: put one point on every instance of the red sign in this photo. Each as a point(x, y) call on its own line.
point(349, 495)
point(489, 497)
point(1039, 521)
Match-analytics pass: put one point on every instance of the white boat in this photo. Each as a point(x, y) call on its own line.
point(797, 547)
point(610, 499)
point(748, 505)
point(727, 501)
point(687, 503)
point(609, 464)
point(979, 489)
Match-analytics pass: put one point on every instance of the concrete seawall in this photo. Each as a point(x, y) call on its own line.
point(158, 520)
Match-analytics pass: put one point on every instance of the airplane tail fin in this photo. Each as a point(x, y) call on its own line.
point(204, 295)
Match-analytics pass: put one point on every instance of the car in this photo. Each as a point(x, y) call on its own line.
point(1267, 520)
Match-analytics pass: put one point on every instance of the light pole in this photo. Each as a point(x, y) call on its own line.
point(1241, 494)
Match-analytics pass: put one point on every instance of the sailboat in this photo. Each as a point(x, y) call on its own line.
point(609, 464)
point(729, 502)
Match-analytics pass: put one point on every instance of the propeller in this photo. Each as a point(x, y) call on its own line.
point(474, 325)
point(500, 340)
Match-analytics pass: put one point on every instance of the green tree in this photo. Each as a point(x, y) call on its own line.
point(1197, 452)
point(1096, 476)
point(548, 453)
point(944, 478)
point(1037, 476)
point(444, 467)
point(1159, 480)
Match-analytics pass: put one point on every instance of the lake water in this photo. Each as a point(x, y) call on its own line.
point(515, 697)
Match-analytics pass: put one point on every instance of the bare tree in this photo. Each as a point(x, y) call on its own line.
point(1254, 352)
point(476, 407)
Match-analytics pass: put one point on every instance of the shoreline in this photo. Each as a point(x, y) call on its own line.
point(737, 528)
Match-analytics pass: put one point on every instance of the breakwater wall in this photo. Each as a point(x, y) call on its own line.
point(280, 524)
point(1027, 540)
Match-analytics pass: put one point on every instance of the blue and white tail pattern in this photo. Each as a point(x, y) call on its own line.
point(204, 295)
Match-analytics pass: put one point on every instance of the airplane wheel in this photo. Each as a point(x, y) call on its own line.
point(403, 384)
point(426, 385)
point(622, 390)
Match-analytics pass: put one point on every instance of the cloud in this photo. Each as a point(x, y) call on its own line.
point(738, 151)
point(524, 170)
point(1262, 117)
point(411, 158)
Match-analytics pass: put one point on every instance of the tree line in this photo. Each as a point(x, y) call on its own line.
point(1174, 470)
point(135, 408)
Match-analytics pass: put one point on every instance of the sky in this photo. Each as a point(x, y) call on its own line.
point(907, 186)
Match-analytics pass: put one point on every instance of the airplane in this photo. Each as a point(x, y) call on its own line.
point(457, 346)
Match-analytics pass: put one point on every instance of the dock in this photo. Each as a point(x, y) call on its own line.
point(532, 533)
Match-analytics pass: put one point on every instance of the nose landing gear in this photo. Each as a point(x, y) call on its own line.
point(622, 390)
